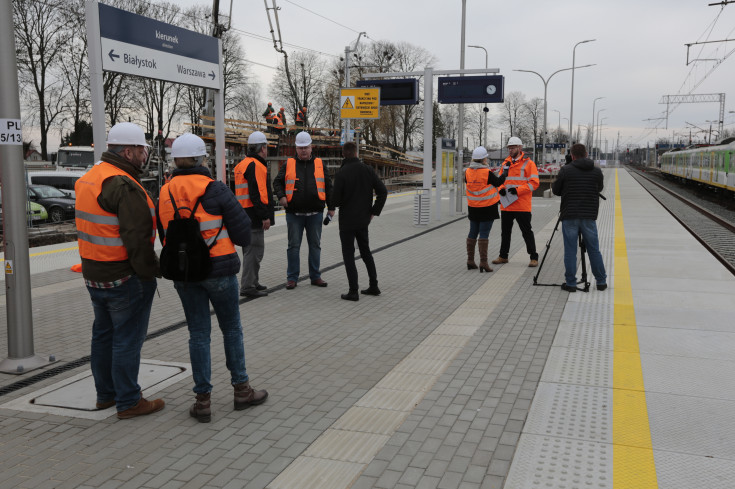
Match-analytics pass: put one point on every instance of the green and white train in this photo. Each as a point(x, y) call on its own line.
point(710, 165)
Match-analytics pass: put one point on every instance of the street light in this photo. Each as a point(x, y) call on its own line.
point(592, 130)
point(593, 134)
point(485, 109)
point(558, 134)
point(571, 108)
point(546, 84)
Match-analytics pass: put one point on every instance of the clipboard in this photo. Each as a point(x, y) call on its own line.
point(508, 199)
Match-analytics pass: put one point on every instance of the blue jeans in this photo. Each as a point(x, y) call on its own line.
point(571, 228)
point(223, 293)
point(480, 227)
point(121, 317)
point(296, 225)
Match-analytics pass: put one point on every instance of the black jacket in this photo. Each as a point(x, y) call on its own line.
point(353, 194)
point(219, 200)
point(305, 196)
point(259, 212)
point(579, 183)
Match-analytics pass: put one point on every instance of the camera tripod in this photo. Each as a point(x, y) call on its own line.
point(583, 250)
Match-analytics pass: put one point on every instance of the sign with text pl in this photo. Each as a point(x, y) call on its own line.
point(359, 103)
point(136, 45)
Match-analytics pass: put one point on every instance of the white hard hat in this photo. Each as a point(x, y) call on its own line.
point(126, 134)
point(188, 145)
point(480, 153)
point(303, 139)
point(515, 141)
point(257, 138)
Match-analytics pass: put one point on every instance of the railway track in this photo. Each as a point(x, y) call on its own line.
point(715, 232)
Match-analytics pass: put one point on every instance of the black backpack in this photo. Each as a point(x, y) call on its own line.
point(185, 256)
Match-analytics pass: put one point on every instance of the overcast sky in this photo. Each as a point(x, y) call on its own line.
point(639, 51)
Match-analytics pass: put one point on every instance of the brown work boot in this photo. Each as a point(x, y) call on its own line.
point(142, 408)
point(482, 245)
point(246, 396)
point(500, 260)
point(201, 409)
point(471, 265)
point(104, 404)
point(533, 263)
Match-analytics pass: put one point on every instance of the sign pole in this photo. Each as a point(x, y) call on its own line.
point(219, 124)
point(21, 357)
point(96, 80)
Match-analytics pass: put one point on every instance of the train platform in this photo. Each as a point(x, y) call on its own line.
point(450, 379)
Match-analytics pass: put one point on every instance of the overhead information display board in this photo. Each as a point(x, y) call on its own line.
point(359, 103)
point(395, 91)
point(470, 89)
point(137, 45)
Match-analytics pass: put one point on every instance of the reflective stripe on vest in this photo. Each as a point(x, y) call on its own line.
point(98, 231)
point(290, 178)
point(479, 192)
point(186, 190)
point(242, 191)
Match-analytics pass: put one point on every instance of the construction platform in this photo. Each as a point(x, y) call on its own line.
point(450, 379)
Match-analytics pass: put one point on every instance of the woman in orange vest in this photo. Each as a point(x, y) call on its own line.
point(482, 206)
point(223, 224)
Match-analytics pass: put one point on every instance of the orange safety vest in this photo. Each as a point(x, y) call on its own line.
point(479, 192)
point(522, 175)
point(186, 190)
point(300, 117)
point(242, 191)
point(278, 121)
point(321, 187)
point(98, 231)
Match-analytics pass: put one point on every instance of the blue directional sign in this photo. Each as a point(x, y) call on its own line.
point(470, 89)
point(137, 45)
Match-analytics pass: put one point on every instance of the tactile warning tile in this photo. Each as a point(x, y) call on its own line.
point(571, 411)
point(597, 314)
point(317, 473)
point(558, 463)
point(580, 335)
point(685, 471)
point(578, 366)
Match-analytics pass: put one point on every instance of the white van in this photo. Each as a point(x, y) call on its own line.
point(62, 180)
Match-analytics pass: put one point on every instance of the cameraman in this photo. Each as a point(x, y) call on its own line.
point(579, 183)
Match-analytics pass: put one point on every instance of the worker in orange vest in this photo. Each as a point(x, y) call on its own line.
point(301, 117)
point(279, 126)
point(269, 115)
point(116, 224)
point(282, 115)
point(522, 180)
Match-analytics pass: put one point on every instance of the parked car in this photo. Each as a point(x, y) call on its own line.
point(62, 180)
point(35, 213)
point(59, 206)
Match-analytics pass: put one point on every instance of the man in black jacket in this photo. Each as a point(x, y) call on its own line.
point(353, 194)
point(579, 183)
point(303, 188)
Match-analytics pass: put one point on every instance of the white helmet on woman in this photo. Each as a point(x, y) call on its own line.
point(188, 145)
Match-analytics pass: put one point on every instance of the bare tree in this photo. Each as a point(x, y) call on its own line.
point(75, 70)
point(534, 109)
point(41, 37)
point(512, 114)
point(307, 77)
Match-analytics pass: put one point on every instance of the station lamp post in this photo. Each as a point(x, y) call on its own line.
point(571, 108)
point(546, 85)
point(592, 130)
point(593, 133)
point(486, 110)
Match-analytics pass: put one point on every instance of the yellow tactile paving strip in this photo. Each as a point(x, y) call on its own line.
point(633, 462)
point(338, 457)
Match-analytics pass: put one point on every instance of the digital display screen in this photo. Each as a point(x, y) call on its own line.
point(470, 89)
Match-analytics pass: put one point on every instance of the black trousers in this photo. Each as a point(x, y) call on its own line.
point(348, 237)
point(506, 227)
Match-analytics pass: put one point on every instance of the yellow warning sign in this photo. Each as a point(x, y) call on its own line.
point(360, 103)
point(8, 267)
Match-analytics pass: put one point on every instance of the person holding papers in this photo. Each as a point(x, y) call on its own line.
point(482, 205)
point(515, 203)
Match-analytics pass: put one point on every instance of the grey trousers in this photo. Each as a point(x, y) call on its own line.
point(251, 257)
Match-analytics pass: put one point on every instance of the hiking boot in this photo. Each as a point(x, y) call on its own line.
point(533, 263)
point(372, 290)
point(319, 282)
point(246, 396)
point(601, 286)
point(253, 293)
point(568, 288)
point(201, 409)
point(291, 284)
point(142, 408)
point(500, 260)
point(260, 287)
point(352, 295)
point(109, 404)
